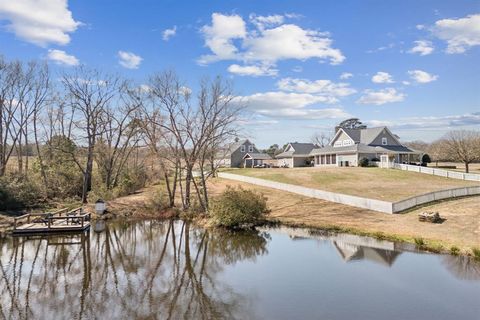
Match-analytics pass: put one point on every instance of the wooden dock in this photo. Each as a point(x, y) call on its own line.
point(52, 222)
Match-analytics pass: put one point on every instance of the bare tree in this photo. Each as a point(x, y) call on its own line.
point(321, 139)
point(197, 131)
point(89, 93)
point(118, 138)
point(463, 146)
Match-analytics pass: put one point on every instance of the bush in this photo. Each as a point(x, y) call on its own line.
point(419, 242)
point(476, 253)
point(426, 158)
point(238, 208)
point(454, 250)
point(364, 162)
point(18, 192)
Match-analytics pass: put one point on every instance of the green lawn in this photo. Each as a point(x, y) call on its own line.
point(375, 183)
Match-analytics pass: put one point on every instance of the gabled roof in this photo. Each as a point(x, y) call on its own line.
point(235, 145)
point(258, 156)
point(299, 149)
point(362, 148)
point(365, 136)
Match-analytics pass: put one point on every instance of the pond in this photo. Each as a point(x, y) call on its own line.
point(173, 270)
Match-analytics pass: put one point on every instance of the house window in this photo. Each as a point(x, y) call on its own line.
point(384, 141)
point(250, 148)
point(242, 148)
point(334, 159)
point(328, 158)
point(338, 144)
point(347, 142)
point(322, 159)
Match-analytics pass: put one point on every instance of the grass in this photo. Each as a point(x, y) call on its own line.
point(375, 183)
point(460, 229)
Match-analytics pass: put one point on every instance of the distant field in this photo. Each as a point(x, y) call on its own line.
point(375, 183)
point(474, 167)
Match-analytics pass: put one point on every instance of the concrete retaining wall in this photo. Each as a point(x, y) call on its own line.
point(438, 172)
point(434, 196)
point(364, 203)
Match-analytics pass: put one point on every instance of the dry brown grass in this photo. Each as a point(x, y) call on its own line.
point(461, 227)
point(375, 183)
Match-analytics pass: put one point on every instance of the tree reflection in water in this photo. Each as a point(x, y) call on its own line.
point(142, 270)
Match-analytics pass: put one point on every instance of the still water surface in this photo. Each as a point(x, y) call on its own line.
point(172, 270)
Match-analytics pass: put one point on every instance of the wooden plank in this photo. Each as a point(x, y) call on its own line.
point(40, 228)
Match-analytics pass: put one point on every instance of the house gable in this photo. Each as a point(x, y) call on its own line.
point(386, 138)
point(236, 157)
point(289, 148)
point(342, 139)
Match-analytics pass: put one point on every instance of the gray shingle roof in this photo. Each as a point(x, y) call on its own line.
point(365, 136)
point(361, 148)
point(258, 156)
point(301, 149)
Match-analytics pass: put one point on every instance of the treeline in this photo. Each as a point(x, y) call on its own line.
point(455, 146)
point(87, 132)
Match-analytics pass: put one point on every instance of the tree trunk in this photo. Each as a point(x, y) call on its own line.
point(87, 178)
point(466, 167)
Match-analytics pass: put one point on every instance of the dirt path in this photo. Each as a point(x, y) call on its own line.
point(461, 227)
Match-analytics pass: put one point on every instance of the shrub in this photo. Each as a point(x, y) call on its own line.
point(364, 162)
point(419, 242)
point(454, 250)
point(476, 253)
point(18, 192)
point(237, 207)
point(426, 158)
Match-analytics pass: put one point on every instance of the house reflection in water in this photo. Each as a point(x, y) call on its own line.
point(352, 247)
point(352, 252)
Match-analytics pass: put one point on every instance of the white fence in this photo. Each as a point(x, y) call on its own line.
point(364, 203)
point(438, 172)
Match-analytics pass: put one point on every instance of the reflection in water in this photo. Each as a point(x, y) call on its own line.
point(171, 270)
point(465, 268)
point(142, 270)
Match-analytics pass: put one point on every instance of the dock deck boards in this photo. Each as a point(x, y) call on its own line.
point(58, 226)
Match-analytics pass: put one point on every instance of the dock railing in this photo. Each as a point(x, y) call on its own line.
point(75, 215)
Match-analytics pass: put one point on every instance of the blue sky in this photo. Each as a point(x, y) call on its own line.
point(301, 66)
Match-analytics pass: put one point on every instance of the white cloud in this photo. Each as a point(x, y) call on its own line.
point(61, 57)
point(325, 88)
point(279, 104)
point(253, 70)
point(297, 69)
point(382, 77)
point(220, 35)
point(168, 33)
point(420, 76)
point(420, 26)
point(289, 41)
point(346, 75)
point(442, 122)
point(40, 22)
point(422, 47)
point(268, 43)
point(129, 60)
point(387, 95)
point(460, 34)
point(262, 22)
